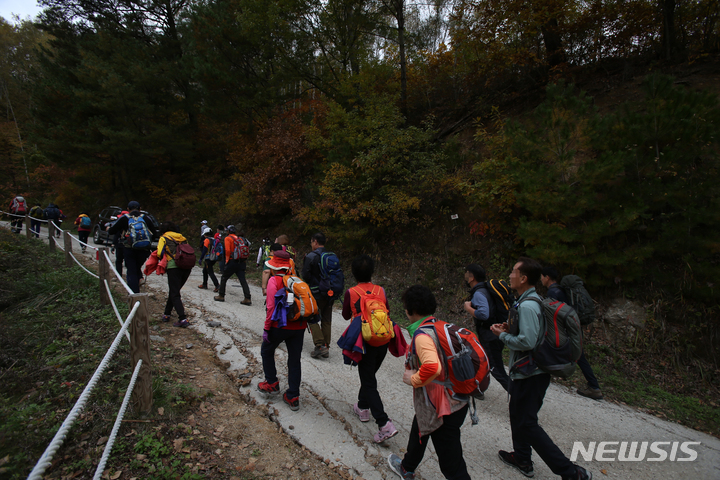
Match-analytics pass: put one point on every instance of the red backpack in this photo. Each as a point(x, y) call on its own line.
point(19, 206)
point(465, 360)
point(184, 254)
point(242, 249)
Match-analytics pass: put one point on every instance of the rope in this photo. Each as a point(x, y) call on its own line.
point(118, 422)
point(112, 301)
point(60, 247)
point(46, 458)
point(82, 266)
point(81, 242)
point(119, 277)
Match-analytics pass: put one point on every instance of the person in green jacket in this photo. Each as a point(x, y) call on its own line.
point(528, 383)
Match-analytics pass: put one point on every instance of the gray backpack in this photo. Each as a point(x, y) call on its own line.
point(579, 298)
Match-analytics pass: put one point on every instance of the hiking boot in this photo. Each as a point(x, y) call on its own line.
point(247, 301)
point(363, 413)
point(294, 403)
point(269, 388)
point(202, 287)
point(580, 474)
point(509, 459)
point(395, 463)
point(182, 323)
point(590, 392)
point(388, 431)
point(219, 298)
point(326, 352)
point(321, 351)
point(166, 318)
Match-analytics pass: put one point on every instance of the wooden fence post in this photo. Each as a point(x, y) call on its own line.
point(102, 276)
point(27, 225)
point(51, 238)
point(68, 249)
point(140, 349)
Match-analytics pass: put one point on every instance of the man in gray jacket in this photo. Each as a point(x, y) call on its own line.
point(528, 383)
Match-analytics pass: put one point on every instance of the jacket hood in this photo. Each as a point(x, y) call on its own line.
point(174, 236)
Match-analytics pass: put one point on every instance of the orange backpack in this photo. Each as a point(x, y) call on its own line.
point(300, 296)
point(377, 328)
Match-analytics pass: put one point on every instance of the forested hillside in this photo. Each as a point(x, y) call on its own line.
point(551, 128)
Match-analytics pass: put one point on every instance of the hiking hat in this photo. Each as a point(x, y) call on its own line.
point(133, 206)
point(231, 228)
point(280, 259)
point(207, 230)
point(204, 222)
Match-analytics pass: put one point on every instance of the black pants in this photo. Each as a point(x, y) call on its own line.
point(493, 347)
point(208, 272)
point(16, 224)
point(83, 236)
point(134, 259)
point(526, 398)
point(35, 227)
point(176, 279)
point(369, 397)
point(448, 447)
point(588, 371)
point(294, 342)
point(119, 258)
point(235, 267)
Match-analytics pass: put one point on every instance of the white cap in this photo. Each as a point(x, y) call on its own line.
point(203, 222)
point(206, 230)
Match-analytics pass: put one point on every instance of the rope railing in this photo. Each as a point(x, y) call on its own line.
point(81, 242)
point(118, 422)
point(112, 302)
point(83, 267)
point(119, 277)
point(47, 456)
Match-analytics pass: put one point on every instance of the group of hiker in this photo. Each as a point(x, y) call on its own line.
point(447, 366)
point(19, 208)
point(441, 395)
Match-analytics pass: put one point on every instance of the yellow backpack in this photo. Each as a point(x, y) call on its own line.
point(377, 328)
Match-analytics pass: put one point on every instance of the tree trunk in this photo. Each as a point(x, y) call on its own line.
point(668, 33)
point(403, 62)
point(553, 43)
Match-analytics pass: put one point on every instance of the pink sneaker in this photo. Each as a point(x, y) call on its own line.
point(363, 413)
point(388, 431)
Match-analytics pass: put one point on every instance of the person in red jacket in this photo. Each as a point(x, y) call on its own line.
point(234, 266)
point(273, 335)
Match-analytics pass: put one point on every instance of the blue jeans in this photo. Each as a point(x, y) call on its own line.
point(588, 371)
point(294, 342)
point(35, 227)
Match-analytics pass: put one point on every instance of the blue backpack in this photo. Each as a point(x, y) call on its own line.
point(332, 279)
point(217, 250)
point(85, 222)
point(138, 234)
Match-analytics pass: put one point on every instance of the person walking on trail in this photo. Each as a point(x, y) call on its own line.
point(136, 249)
point(53, 214)
point(528, 385)
point(176, 276)
point(438, 415)
point(550, 278)
point(312, 274)
point(282, 240)
point(206, 263)
point(84, 226)
point(292, 333)
point(482, 308)
point(36, 215)
point(221, 234)
point(369, 401)
point(237, 250)
point(18, 208)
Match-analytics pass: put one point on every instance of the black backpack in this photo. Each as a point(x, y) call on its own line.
point(559, 344)
point(501, 297)
point(579, 298)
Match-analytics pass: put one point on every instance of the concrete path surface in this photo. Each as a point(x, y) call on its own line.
point(326, 424)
